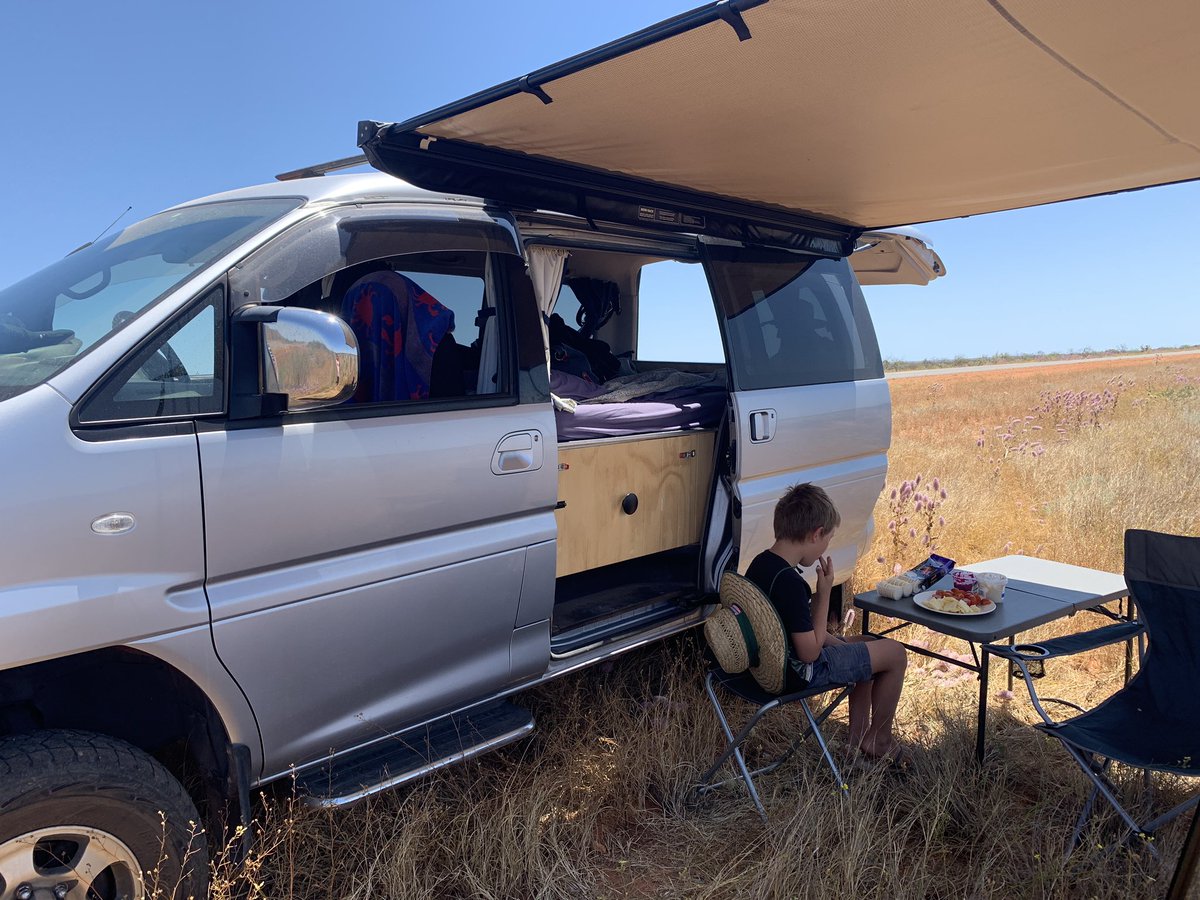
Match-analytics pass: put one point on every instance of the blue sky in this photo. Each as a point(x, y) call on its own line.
point(148, 104)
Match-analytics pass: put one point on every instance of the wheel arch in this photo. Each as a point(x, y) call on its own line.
point(139, 698)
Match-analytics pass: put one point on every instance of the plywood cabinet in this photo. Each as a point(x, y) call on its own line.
point(629, 497)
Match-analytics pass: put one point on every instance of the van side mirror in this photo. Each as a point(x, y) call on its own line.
point(307, 359)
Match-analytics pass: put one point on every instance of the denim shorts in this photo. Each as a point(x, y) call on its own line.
point(847, 663)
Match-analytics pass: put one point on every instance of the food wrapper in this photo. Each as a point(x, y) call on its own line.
point(931, 571)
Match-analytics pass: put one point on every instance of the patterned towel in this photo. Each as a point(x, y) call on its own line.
point(399, 327)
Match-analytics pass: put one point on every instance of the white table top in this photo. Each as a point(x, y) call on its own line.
point(1061, 581)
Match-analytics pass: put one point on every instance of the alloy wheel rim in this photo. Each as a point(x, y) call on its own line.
point(69, 862)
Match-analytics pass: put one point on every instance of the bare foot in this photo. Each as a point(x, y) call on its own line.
point(890, 751)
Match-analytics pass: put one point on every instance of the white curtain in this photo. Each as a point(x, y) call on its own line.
point(546, 269)
point(489, 346)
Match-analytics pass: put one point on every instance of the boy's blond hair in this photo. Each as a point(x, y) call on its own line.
point(802, 510)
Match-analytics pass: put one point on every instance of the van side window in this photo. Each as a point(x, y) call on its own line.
point(430, 299)
point(792, 320)
point(428, 324)
point(180, 373)
point(676, 318)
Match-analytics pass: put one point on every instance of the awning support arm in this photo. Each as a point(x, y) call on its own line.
point(727, 10)
point(637, 41)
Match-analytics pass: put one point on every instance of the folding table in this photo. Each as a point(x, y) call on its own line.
point(1038, 591)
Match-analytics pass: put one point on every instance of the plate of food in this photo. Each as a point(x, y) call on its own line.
point(954, 602)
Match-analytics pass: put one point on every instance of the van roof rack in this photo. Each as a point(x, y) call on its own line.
point(346, 162)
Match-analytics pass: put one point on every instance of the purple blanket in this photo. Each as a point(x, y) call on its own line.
point(697, 409)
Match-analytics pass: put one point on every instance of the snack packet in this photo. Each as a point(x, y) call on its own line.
point(932, 570)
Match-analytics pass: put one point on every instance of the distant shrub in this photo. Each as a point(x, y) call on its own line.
point(914, 522)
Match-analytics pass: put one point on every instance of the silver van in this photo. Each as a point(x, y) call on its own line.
point(314, 477)
point(291, 487)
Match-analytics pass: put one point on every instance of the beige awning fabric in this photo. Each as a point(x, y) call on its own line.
point(883, 113)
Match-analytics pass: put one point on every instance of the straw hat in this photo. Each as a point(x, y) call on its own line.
point(746, 633)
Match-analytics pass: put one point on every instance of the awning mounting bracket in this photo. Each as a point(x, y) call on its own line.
point(535, 89)
point(734, 17)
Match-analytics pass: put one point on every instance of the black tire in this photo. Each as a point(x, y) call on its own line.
point(76, 779)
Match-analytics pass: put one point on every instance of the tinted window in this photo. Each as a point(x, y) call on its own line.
point(353, 241)
point(792, 320)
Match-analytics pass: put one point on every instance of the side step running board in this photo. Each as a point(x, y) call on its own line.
point(407, 755)
point(588, 637)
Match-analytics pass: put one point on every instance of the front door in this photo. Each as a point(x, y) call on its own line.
point(366, 562)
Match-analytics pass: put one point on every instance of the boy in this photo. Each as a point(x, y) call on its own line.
point(805, 519)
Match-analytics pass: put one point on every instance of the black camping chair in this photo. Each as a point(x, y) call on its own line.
point(1153, 723)
point(745, 687)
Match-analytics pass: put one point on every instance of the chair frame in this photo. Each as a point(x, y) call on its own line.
point(1094, 766)
point(734, 742)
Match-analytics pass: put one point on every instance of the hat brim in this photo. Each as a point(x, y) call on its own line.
point(771, 671)
point(726, 641)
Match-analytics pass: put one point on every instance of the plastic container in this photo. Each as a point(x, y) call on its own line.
point(964, 581)
point(991, 585)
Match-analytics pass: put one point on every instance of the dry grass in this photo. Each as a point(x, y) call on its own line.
point(598, 803)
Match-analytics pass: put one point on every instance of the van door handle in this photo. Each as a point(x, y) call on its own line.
point(520, 451)
point(762, 425)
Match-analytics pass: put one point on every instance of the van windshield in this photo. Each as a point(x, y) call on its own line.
point(54, 316)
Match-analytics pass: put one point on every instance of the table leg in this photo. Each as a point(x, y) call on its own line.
point(1011, 642)
point(866, 622)
point(983, 689)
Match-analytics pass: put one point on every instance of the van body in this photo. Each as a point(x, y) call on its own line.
point(386, 561)
point(224, 525)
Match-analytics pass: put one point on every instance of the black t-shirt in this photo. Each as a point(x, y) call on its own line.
point(789, 593)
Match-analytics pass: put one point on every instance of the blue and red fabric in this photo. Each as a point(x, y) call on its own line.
point(399, 326)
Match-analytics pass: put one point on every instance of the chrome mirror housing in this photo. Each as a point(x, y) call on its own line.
point(310, 356)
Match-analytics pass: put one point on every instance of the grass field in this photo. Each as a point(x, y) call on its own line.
point(1055, 462)
point(909, 365)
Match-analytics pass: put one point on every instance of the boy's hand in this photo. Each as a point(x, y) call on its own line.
point(824, 576)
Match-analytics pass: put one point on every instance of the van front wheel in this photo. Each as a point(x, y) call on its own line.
point(86, 815)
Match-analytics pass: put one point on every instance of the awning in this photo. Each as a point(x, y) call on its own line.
point(824, 117)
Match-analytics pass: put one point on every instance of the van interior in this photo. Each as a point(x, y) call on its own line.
point(640, 408)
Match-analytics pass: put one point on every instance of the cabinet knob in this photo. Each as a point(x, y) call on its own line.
point(629, 504)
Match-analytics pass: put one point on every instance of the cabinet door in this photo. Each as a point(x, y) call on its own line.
point(626, 499)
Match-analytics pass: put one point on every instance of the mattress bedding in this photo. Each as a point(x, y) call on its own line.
point(685, 403)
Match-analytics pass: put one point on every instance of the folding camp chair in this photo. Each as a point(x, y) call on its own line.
point(745, 687)
point(1153, 723)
